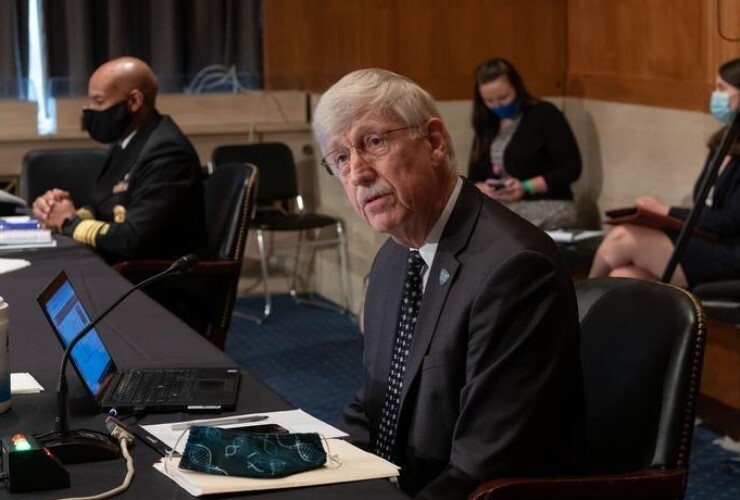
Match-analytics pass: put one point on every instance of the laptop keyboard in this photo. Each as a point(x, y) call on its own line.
point(152, 386)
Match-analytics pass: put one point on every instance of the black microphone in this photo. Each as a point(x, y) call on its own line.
point(85, 445)
point(181, 265)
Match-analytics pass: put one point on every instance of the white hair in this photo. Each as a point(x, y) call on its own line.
point(384, 93)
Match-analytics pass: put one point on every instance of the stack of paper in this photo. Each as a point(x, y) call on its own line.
point(22, 231)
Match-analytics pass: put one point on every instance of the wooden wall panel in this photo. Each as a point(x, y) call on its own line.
point(309, 44)
point(721, 50)
point(17, 119)
point(441, 44)
point(654, 52)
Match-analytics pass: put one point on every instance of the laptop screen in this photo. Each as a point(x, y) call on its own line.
point(68, 316)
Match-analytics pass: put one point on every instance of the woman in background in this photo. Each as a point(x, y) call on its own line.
point(642, 252)
point(524, 153)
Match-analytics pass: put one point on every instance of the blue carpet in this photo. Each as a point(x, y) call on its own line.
point(313, 358)
point(309, 355)
point(714, 473)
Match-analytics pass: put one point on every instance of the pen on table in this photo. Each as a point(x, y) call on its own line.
point(219, 421)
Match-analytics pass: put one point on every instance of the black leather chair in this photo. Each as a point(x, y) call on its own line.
point(204, 298)
point(721, 299)
point(280, 208)
point(642, 349)
point(74, 170)
point(719, 404)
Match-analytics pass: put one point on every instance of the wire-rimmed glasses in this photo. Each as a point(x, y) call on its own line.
point(372, 145)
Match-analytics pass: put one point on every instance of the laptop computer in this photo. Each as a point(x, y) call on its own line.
point(148, 389)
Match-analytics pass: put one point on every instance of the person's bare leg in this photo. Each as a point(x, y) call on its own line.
point(613, 252)
point(628, 246)
point(633, 272)
point(599, 266)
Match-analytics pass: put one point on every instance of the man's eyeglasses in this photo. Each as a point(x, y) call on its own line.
point(371, 145)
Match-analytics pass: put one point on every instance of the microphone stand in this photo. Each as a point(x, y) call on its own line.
point(86, 445)
point(710, 176)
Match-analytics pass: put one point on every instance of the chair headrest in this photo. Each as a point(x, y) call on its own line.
point(229, 201)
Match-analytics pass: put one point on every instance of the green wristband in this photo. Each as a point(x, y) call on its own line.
point(528, 187)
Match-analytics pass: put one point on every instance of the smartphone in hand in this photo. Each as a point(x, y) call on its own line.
point(496, 183)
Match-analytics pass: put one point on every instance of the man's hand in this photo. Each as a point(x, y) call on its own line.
point(52, 208)
point(652, 204)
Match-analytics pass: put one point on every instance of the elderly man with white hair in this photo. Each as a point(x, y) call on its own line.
point(471, 360)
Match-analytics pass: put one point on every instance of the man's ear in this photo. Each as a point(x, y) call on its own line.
point(135, 100)
point(438, 139)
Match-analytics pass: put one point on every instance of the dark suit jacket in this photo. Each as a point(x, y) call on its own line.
point(703, 260)
point(157, 180)
point(493, 384)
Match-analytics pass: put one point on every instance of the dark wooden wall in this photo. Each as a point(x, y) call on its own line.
point(655, 52)
point(309, 44)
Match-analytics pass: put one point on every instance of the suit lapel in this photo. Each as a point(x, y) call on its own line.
point(441, 278)
point(120, 162)
point(130, 159)
point(393, 289)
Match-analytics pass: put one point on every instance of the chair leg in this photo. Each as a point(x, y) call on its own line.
point(296, 263)
point(265, 277)
point(343, 268)
point(344, 276)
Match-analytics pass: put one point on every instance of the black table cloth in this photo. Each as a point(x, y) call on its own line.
point(138, 333)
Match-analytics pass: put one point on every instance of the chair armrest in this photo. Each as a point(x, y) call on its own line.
point(721, 291)
point(131, 267)
point(151, 267)
point(647, 484)
point(218, 267)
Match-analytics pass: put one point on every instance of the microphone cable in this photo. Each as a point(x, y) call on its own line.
point(125, 439)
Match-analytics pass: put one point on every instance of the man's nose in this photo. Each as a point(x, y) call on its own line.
point(360, 170)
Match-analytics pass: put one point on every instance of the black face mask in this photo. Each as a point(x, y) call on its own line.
point(108, 125)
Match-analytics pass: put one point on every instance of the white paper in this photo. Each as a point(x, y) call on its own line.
point(21, 246)
point(8, 265)
point(291, 420)
point(24, 383)
point(573, 235)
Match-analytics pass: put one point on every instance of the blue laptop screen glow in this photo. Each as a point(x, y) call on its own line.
point(69, 317)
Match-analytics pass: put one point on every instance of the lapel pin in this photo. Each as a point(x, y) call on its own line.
point(444, 275)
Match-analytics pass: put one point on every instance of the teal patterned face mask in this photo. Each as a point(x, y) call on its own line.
point(235, 453)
